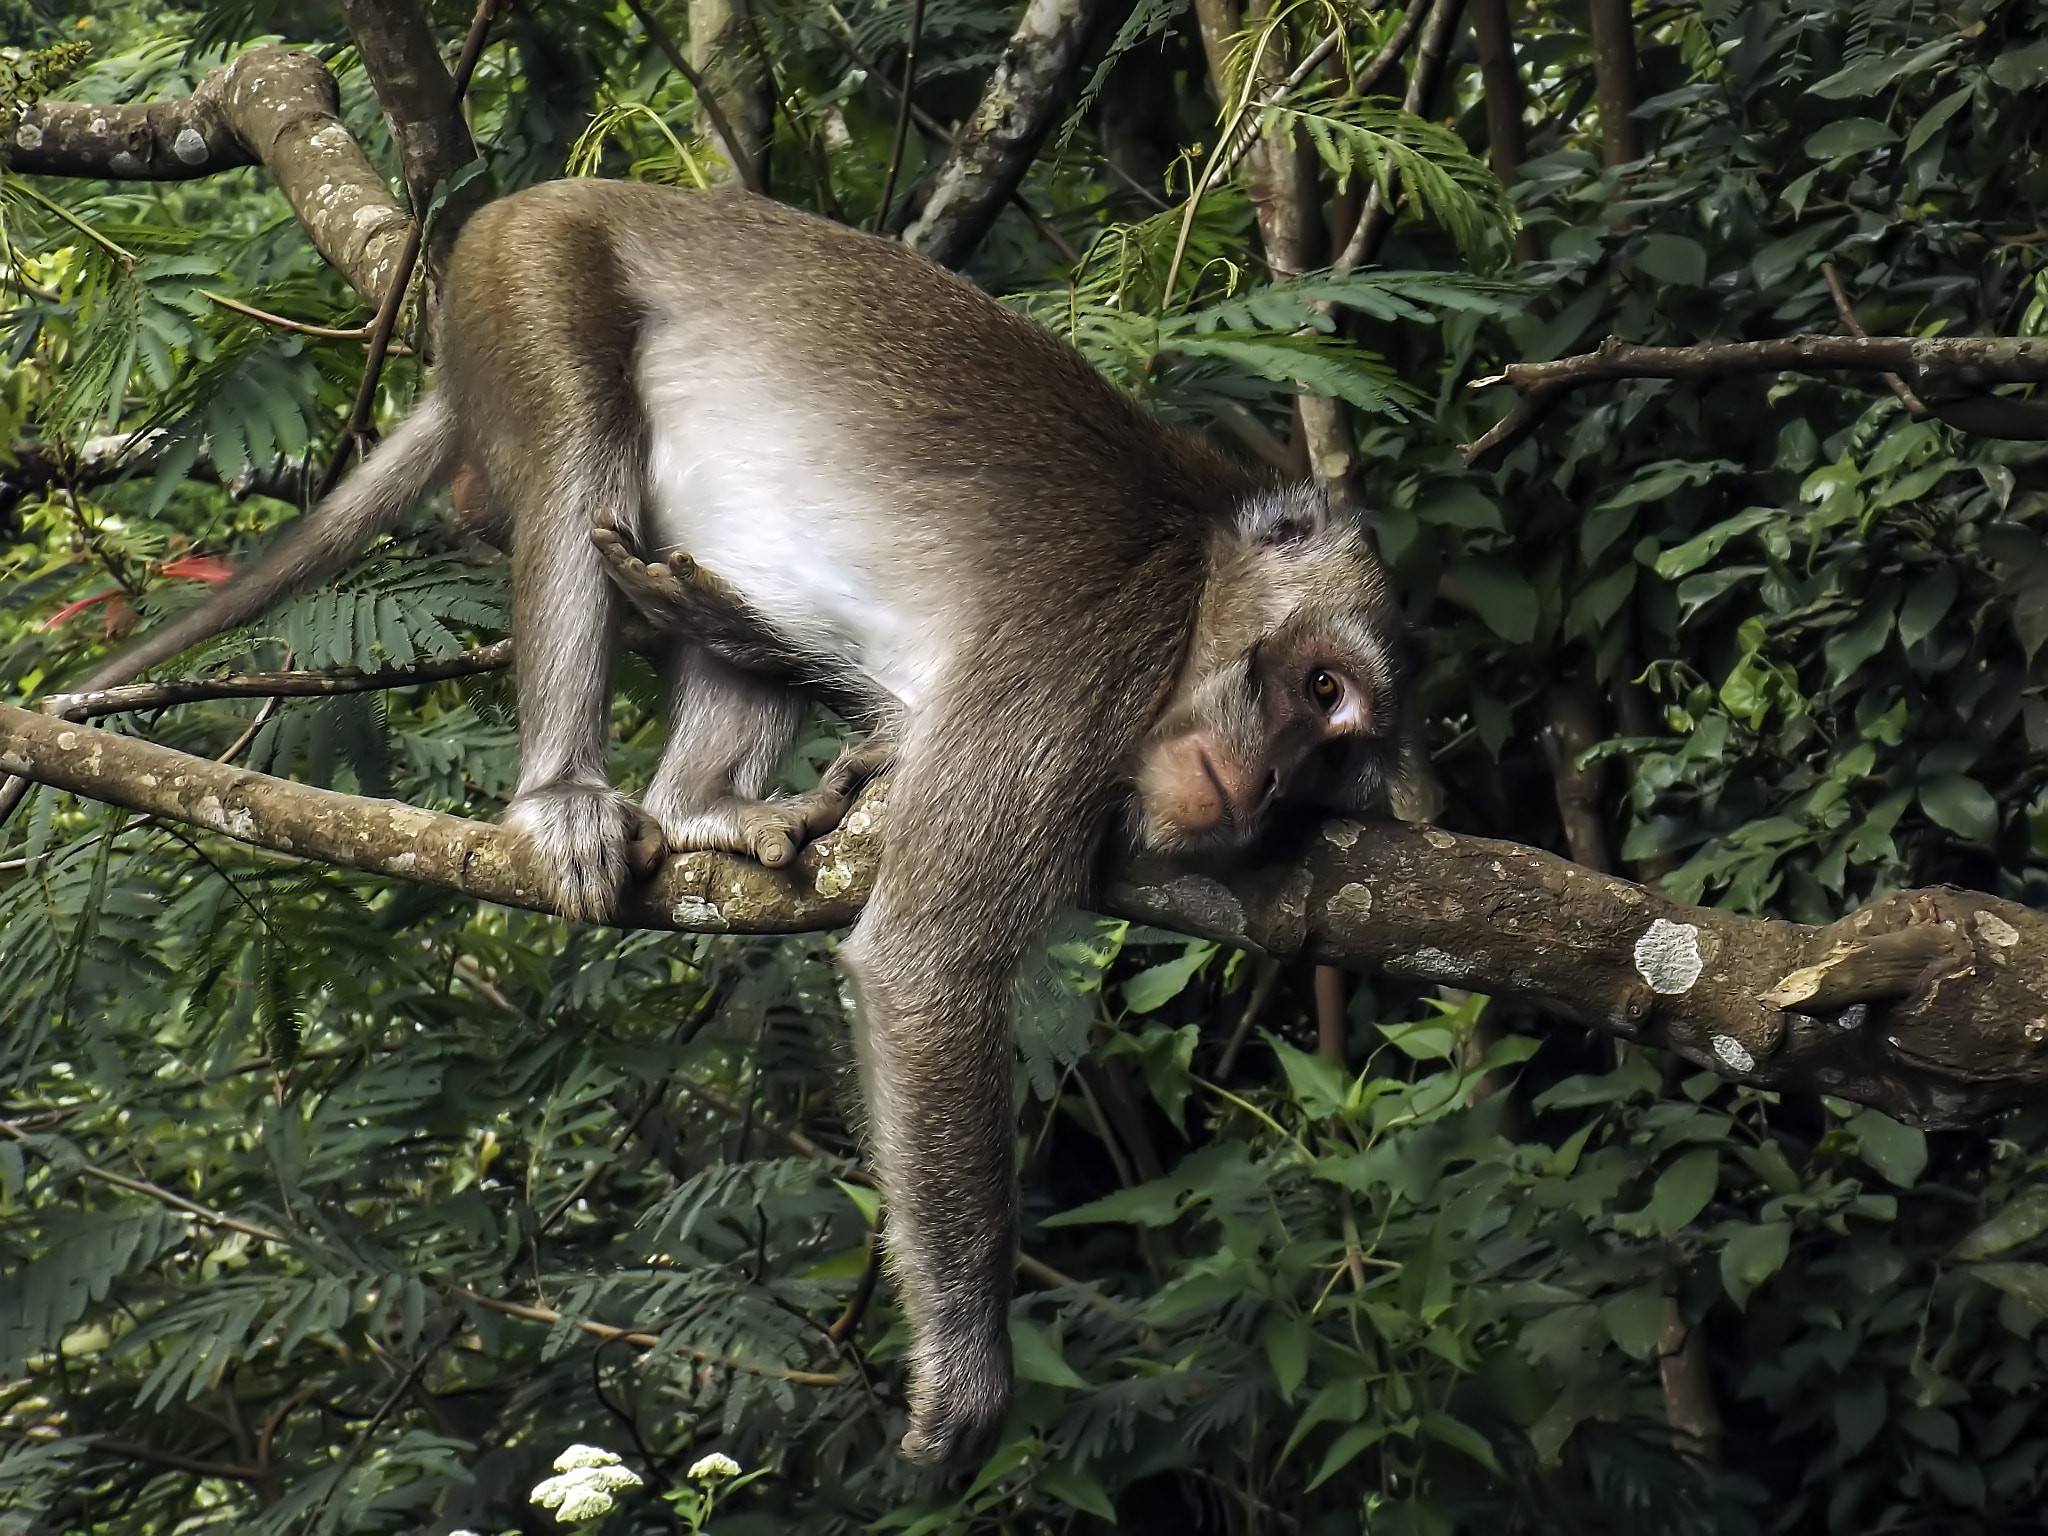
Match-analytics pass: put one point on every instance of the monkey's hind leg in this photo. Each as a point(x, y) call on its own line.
point(728, 731)
point(585, 839)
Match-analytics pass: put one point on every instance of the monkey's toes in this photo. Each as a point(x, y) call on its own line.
point(774, 848)
point(649, 849)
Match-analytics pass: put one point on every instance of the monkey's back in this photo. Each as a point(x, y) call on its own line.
point(989, 461)
point(924, 367)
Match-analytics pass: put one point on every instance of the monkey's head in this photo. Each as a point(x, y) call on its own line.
point(1292, 691)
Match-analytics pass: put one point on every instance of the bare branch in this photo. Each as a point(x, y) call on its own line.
point(1964, 1037)
point(735, 149)
point(608, 1333)
point(1847, 313)
point(135, 1450)
point(272, 685)
point(938, 130)
point(1432, 55)
point(177, 1202)
point(1017, 107)
point(1949, 373)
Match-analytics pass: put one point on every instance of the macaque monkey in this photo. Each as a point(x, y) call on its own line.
point(1055, 615)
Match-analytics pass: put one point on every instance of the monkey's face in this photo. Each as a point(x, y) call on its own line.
point(1291, 687)
point(1305, 717)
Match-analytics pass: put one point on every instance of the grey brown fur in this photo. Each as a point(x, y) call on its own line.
point(1048, 608)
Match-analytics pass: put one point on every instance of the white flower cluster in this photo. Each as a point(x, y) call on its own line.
point(714, 1466)
point(589, 1476)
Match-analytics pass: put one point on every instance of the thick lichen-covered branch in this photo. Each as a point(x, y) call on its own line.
point(273, 106)
point(1931, 1005)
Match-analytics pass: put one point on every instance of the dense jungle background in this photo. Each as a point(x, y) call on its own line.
point(335, 1204)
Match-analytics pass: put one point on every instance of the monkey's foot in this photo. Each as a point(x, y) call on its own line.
point(664, 591)
point(774, 831)
point(959, 1397)
point(586, 843)
point(770, 831)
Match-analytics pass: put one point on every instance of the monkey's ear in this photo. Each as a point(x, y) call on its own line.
point(1290, 514)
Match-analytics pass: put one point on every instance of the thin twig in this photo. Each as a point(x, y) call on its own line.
point(300, 327)
point(273, 685)
point(1376, 218)
point(373, 365)
point(157, 1192)
point(796, 1141)
point(610, 1334)
point(742, 163)
point(135, 1450)
point(904, 93)
point(473, 48)
point(598, 1168)
point(843, 1327)
point(1254, 1006)
point(1958, 364)
point(1843, 308)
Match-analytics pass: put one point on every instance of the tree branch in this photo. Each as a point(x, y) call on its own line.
point(420, 98)
point(272, 685)
point(1950, 374)
point(1963, 1037)
point(999, 142)
point(608, 1334)
point(273, 106)
point(850, 45)
point(177, 1202)
point(1432, 55)
point(135, 1450)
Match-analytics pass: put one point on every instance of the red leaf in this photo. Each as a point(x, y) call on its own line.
point(207, 568)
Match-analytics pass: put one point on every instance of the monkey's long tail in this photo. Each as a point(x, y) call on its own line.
point(416, 457)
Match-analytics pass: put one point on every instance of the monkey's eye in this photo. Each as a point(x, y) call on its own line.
point(1324, 690)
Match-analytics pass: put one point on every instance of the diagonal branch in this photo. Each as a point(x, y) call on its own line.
point(1017, 107)
point(1964, 1035)
point(421, 100)
point(177, 1202)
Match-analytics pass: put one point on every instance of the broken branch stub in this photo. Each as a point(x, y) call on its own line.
point(1943, 993)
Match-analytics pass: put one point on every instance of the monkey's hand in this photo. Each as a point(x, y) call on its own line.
point(586, 843)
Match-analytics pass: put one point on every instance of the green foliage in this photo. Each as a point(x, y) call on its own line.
point(329, 1204)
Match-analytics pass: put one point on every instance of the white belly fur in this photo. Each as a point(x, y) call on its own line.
point(746, 485)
